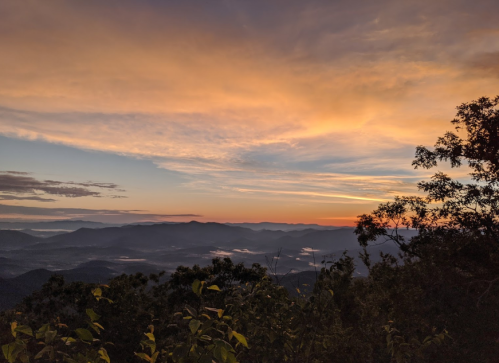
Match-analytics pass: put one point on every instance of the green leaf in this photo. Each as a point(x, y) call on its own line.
point(93, 315)
point(231, 358)
point(217, 353)
point(13, 327)
point(179, 352)
point(218, 311)
point(213, 287)
point(49, 350)
point(197, 286)
point(149, 343)
point(150, 336)
point(190, 311)
point(223, 343)
point(68, 340)
point(194, 325)
point(143, 356)
point(6, 349)
point(98, 326)
point(84, 335)
point(103, 355)
point(331, 292)
point(50, 336)
point(12, 350)
point(223, 353)
point(24, 329)
point(41, 332)
point(241, 339)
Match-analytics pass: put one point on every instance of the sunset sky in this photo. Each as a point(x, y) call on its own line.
point(230, 111)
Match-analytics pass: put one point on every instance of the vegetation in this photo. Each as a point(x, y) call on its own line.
point(435, 302)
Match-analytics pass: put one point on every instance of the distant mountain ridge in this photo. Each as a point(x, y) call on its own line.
point(166, 244)
point(73, 225)
point(15, 239)
point(281, 226)
point(99, 253)
point(182, 235)
point(53, 225)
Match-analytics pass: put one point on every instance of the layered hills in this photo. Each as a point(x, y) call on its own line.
point(97, 254)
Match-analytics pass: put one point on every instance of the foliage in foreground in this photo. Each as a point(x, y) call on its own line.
point(436, 302)
point(253, 321)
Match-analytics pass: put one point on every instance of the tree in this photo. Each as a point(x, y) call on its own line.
point(450, 208)
point(451, 267)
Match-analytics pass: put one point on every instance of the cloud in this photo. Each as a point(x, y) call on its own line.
point(103, 215)
point(311, 194)
point(245, 250)
point(220, 253)
point(484, 64)
point(297, 100)
point(35, 198)
point(16, 182)
point(16, 172)
point(308, 249)
point(85, 184)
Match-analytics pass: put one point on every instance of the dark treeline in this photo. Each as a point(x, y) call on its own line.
point(435, 302)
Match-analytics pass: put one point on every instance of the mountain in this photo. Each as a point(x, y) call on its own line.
point(10, 267)
point(68, 225)
point(280, 226)
point(192, 234)
point(168, 245)
point(96, 254)
point(15, 240)
point(73, 225)
point(156, 236)
point(44, 233)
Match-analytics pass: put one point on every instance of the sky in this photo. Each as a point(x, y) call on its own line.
point(230, 110)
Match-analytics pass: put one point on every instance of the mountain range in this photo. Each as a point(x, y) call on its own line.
point(97, 254)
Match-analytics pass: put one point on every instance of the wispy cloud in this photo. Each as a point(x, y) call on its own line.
point(21, 183)
point(32, 197)
point(246, 251)
point(104, 215)
point(311, 194)
point(15, 172)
